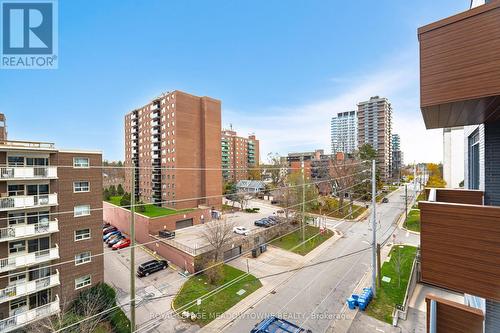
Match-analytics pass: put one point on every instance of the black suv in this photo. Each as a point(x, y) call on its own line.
point(150, 267)
point(166, 234)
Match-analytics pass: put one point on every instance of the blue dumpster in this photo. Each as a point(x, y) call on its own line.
point(352, 303)
point(362, 304)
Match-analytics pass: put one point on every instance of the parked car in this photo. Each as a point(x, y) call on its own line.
point(121, 244)
point(273, 220)
point(111, 237)
point(109, 234)
point(241, 231)
point(166, 234)
point(108, 230)
point(151, 266)
point(262, 223)
point(115, 240)
point(385, 200)
point(274, 202)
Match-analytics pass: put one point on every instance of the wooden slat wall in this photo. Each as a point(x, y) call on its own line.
point(470, 197)
point(453, 317)
point(460, 68)
point(460, 247)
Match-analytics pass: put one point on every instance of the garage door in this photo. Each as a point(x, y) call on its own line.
point(183, 223)
point(230, 254)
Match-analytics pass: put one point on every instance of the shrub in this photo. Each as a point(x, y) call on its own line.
point(125, 200)
point(140, 207)
point(112, 191)
point(120, 322)
point(106, 195)
point(102, 292)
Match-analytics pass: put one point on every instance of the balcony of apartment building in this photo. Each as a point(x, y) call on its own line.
point(27, 313)
point(459, 72)
point(27, 172)
point(30, 282)
point(25, 196)
point(22, 225)
point(28, 252)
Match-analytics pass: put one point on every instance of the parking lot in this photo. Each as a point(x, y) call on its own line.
point(154, 293)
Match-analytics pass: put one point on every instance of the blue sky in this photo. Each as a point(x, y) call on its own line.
point(281, 68)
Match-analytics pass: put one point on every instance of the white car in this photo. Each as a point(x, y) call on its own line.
point(241, 231)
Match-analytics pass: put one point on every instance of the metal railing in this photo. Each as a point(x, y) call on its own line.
point(27, 201)
point(27, 230)
point(28, 287)
point(28, 258)
point(27, 144)
point(26, 317)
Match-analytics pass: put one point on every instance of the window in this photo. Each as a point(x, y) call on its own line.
point(18, 303)
point(83, 186)
point(83, 258)
point(82, 210)
point(16, 247)
point(82, 234)
point(83, 281)
point(81, 162)
point(474, 160)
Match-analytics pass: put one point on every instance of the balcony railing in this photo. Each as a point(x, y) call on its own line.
point(28, 230)
point(27, 144)
point(27, 201)
point(26, 317)
point(460, 243)
point(28, 172)
point(28, 259)
point(28, 287)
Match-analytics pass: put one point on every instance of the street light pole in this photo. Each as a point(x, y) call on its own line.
point(303, 199)
point(132, 251)
point(374, 230)
point(406, 201)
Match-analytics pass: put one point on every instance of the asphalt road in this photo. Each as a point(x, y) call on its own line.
point(314, 296)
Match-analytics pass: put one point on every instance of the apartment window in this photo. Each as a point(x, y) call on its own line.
point(83, 258)
point(15, 161)
point(474, 160)
point(82, 186)
point(83, 282)
point(18, 246)
point(82, 234)
point(81, 162)
point(18, 303)
point(82, 210)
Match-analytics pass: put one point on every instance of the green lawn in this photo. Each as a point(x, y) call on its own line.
point(332, 206)
point(217, 304)
point(150, 209)
point(413, 220)
point(291, 241)
point(393, 292)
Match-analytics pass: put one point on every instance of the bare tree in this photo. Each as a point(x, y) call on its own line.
point(344, 172)
point(276, 167)
point(218, 234)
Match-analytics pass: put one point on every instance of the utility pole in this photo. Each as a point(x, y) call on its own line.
point(374, 229)
point(379, 276)
point(303, 199)
point(132, 251)
point(406, 201)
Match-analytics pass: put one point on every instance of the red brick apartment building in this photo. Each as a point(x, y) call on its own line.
point(50, 212)
point(238, 154)
point(174, 143)
point(460, 228)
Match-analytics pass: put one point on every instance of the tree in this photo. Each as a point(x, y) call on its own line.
point(140, 207)
point(119, 190)
point(366, 152)
point(214, 271)
point(218, 234)
point(254, 173)
point(125, 200)
point(275, 169)
point(345, 176)
point(435, 175)
point(112, 191)
point(89, 304)
point(105, 194)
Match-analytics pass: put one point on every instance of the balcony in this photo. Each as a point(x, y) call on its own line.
point(460, 243)
point(27, 201)
point(28, 230)
point(28, 287)
point(459, 72)
point(27, 173)
point(27, 259)
point(23, 318)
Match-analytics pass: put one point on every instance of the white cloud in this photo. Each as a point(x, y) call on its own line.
point(307, 127)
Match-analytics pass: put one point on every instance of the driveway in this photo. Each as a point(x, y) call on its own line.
point(154, 292)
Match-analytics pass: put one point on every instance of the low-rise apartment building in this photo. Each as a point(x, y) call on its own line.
point(239, 156)
point(460, 229)
point(50, 228)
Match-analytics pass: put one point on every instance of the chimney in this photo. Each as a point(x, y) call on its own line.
point(3, 128)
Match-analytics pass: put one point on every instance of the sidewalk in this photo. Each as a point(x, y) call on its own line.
point(268, 284)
